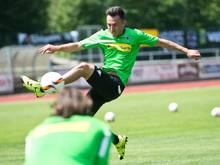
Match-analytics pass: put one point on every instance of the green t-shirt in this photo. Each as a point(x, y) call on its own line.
point(79, 140)
point(119, 52)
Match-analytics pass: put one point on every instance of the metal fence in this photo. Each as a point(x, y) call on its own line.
point(16, 61)
point(145, 55)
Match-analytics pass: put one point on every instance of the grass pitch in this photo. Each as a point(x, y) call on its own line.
point(190, 136)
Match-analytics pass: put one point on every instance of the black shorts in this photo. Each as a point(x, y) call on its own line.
point(105, 87)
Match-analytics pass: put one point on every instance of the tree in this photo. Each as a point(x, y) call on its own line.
point(70, 14)
point(21, 16)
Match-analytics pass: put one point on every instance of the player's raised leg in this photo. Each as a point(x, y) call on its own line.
point(84, 70)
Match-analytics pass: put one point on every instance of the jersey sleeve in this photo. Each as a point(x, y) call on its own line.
point(91, 41)
point(104, 149)
point(146, 39)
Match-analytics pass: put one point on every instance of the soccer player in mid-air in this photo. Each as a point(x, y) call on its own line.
point(119, 45)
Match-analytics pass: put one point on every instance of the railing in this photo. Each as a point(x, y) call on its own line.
point(163, 54)
point(26, 60)
point(169, 54)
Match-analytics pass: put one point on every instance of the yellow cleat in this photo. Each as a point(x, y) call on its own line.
point(33, 86)
point(120, 146)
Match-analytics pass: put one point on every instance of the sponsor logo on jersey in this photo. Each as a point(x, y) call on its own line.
point(119, 46)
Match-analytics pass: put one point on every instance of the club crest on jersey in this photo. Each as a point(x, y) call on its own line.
point(126, 37)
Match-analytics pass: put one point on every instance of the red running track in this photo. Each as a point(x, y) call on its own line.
point(128, 89)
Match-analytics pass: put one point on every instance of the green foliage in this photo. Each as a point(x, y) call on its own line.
point(173, 13)
point(28, 16)
point(37, 16)
point(70, 14)
point(23, 16)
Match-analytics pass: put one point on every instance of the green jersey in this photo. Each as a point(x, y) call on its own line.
point(119, 52)
point(79, 140)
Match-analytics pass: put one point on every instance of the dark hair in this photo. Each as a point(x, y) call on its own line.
point(114, 11)
point(70, 102)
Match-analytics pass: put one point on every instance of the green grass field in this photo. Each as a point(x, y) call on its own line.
point(156, 136)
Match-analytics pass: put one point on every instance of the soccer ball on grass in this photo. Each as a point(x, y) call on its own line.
point(109, 117)
point(173, 107)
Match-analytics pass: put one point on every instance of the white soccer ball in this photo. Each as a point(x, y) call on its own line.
point(173, 107)
point(215, 112)
point(109, 117)
point(52, 82)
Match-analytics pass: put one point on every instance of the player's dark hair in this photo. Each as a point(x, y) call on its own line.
point(114, 11)
point(70, 102)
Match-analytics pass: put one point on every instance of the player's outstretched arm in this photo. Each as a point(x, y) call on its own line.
point(69, 47)
point(191, 53)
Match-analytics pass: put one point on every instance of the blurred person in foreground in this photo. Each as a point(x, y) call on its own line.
point(119, 45)
point(69, 136)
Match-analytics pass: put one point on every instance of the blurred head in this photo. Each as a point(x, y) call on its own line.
point(70, 102)
point(115, 20)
